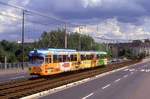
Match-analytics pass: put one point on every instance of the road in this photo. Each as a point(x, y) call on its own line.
point(131, 83)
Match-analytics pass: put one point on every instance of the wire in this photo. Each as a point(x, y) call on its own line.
point(38, 13)
point(103, 38)
point(17, 18)
point(10, 16)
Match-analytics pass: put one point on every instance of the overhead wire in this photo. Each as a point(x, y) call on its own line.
point(39, 14)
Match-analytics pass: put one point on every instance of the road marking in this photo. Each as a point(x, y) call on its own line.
point(125, 76)
point(88, 96)
point(148, 70)
point(117, 80)
point(51, 91)
point(17, 77)
point(125, 69)
point(132, 70)
point(132, 73)
point(142, 70)
point(106, 86)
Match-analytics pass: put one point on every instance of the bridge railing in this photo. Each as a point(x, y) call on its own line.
point(13, 65)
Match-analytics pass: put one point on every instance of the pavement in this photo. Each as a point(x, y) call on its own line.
point(12, 74)
point(130, 83)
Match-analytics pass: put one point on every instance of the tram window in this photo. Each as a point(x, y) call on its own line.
point(103, 56)
point(65, 58)
point(98, 56)
point(83, 57)
point(68, 58)
point(73, 57)
point(36, 59)
point(88, 57)
point(55, 59)
point(92, 56)
point(60, 58)
point(48, 59)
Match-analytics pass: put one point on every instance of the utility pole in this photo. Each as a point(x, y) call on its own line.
point(80, 33)
point(65, 35)
point(107, 46)
point(23, 14)
point(97, 28)
point(79, 38)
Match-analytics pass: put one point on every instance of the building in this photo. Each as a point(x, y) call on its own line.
point(136, 48)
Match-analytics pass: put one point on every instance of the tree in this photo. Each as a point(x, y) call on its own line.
point(52, 39)
point(55, 39)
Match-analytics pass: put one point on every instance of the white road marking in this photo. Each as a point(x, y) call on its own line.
point(51, 91)
point(125, 76)
point(17, 77)
point(142, 70)
point(125, 69)
point(88, 96)
point(132, 70)
point(106, 86)
point(148, 70)
point(117, 80)
point(132, 73)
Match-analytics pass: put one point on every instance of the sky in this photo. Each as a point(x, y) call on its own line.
point(111, 19)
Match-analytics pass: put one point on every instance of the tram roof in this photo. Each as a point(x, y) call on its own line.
point(65, 50)
point(93, 52)
point(43, 52)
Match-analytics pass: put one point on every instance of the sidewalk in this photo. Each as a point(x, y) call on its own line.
point(13, 71)
point(146, 59)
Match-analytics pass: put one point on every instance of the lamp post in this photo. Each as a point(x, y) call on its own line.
point(23, 15)
point(80, 27)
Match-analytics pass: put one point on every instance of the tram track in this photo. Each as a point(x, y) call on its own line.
point(19, 89)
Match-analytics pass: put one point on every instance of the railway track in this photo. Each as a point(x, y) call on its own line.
point(17, 89)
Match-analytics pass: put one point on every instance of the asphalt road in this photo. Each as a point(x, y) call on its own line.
point(131, 83)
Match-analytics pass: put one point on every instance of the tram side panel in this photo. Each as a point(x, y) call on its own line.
point(55, 64)
point(61, 64)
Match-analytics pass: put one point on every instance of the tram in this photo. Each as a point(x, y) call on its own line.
point(52, 61)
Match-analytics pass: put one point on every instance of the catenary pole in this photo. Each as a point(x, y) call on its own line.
point(23, 15)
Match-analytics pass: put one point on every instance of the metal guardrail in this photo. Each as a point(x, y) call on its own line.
point(13, 65)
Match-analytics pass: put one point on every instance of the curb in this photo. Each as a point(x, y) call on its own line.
point(63, 87)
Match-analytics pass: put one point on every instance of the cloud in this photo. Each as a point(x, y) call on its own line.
point(113, 29)
point(10, 18)
point(124, 10)
point(17, 2)
point(116, 19)
point(91, 3)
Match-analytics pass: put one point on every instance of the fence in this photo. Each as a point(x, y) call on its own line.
point(13, 65)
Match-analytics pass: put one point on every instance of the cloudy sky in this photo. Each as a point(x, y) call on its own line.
point(112, 19)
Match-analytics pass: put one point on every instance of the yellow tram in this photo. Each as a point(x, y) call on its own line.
point(53, 61)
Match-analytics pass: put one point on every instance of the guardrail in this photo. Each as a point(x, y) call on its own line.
point(13, 65)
